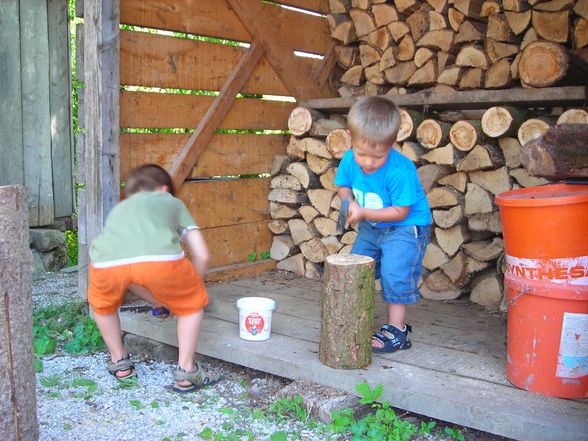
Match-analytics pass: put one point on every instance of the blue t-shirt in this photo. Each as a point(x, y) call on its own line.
point(396, 183)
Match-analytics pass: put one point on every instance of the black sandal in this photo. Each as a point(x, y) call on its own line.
point(392, 339)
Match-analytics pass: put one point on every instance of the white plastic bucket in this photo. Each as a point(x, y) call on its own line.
point(255, 317)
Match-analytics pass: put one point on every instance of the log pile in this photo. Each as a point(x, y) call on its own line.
point(462, 165)
point(392, 46)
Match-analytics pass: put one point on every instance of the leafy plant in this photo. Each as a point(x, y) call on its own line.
point(287, 409)
point(71, 240)
point(252, 257)
point(65, 327)
point(454, 433)
point(265, 255)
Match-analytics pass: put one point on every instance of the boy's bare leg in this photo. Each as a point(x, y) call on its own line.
point(396, 316)
point(109, 326)
point(145, 294)
point(188, 329)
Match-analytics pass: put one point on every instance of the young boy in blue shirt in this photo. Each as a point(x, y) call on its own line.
point(391, 208)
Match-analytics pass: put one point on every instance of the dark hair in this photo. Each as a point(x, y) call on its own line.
point(148, 178)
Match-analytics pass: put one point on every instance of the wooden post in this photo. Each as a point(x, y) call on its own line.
point(99, 153)
point(18, 420)
point(347, 311)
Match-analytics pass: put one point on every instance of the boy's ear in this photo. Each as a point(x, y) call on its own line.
point(163, 188)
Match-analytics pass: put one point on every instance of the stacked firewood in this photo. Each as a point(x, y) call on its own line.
point(388, 46)
point(462, 165)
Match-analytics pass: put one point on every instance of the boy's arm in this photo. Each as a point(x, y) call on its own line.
point(199, 254)
point(388, 214)
point(358, 213)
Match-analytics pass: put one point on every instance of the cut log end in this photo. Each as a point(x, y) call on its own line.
point(348, 259)
point(542, 64)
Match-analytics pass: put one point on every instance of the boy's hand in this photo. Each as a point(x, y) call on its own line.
point(356, 213)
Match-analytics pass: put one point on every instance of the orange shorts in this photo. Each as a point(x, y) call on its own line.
point(176, 284)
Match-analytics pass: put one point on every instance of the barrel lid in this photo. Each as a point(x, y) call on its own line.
point(554, 194)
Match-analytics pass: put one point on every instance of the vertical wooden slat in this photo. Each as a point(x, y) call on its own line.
point(59, 95)
point(11, 154)
point(36, 127)
point(100, 151)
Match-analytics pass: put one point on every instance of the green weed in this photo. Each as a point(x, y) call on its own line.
point(65, 327)
point(71, 240)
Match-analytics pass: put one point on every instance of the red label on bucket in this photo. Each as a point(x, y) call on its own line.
point(572, 270)
point(254, 323)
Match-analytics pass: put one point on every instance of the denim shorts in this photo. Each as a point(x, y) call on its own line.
point(399, 252)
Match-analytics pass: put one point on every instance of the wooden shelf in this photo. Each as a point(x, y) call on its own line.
point(471, 99)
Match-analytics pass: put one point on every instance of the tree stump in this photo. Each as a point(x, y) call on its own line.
point(347, 311)
point(18, 421)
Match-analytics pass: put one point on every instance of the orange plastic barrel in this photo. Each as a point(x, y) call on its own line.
point(546, 276)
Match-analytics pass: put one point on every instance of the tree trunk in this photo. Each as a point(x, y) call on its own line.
point(347, 311)
point(562, 152)
point(18, 421)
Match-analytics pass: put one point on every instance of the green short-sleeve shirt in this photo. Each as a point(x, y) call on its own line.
point(146, 227)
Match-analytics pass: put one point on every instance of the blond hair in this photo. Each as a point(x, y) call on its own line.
point(374, 120)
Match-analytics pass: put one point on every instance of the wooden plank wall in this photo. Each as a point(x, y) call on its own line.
point(35, 122)
point(232, 212)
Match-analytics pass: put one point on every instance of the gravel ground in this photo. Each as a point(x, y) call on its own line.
point(78, 400)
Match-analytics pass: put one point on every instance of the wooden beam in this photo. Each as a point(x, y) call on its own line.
point(321, 75)
point(186, 159)
point(473, 99)
point(280, 53)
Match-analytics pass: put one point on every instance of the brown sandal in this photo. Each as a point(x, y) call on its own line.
point(198, 379)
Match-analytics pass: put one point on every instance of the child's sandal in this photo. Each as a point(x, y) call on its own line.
point(122, 365)
point(199, 378)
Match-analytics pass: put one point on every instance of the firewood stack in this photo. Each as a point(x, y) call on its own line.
point(389, 46)
point(462, 165)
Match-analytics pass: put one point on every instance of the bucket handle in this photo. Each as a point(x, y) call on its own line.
point(274, 309)
point(515, 298)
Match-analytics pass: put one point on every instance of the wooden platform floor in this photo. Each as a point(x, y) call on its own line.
point(454, 372)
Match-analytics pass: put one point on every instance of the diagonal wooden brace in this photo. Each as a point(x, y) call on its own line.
point(188, 156)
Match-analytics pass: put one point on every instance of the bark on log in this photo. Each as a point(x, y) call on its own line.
point(347, 311)
point(562, 152)
point(17, 360)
